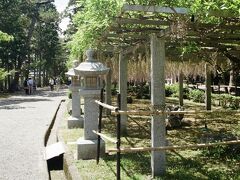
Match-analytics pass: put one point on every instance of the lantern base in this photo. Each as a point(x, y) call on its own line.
point(75, 122)
point(87, 149)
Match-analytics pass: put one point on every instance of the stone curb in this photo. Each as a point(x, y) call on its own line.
point(47, 133)
point(70, 170)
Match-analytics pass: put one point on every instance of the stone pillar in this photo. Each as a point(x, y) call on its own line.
point(123, 89)
point(180, 88)
point(87, 145)
point(208, 88)
point(75, 120)
point(158, 127)
point(89, 106)
point(108, 91)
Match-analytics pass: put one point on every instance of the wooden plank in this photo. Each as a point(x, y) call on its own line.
point(155, 9)
point(106, 105)
point(217, 26)
point(142, 21)
point(149, 113)
point(163, 148)
point(105, 137)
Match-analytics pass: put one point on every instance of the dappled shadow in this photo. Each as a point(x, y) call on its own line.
point(21, 97)
point(12, 101)
point(52, 93)
point(131, 164)
point(11, 107)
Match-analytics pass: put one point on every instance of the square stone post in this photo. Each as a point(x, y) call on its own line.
point(87, 145)
point(123, 88)
point(158, 126)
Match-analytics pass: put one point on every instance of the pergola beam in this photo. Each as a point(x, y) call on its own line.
point(142, 22)
point(154, 9)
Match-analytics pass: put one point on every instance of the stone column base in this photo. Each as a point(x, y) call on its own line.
point(87, 149)
point(74, 122)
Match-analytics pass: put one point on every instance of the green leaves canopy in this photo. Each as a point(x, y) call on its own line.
point(91, 21)
point(95, 16)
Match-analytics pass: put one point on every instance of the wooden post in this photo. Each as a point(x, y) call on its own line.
point(99, 126)
point(119, 139)
point(208, 88)
point(123, 88)
point(180, 88)
point(158, 129)
point(108, 90)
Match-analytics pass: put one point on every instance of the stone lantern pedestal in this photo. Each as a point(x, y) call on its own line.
point(91, 71)
point(75, 120)
point(87, 145)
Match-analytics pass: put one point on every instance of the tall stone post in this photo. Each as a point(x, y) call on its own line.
point(180, 88)
point(158, 127)
point(208, 87)
point(123, 88)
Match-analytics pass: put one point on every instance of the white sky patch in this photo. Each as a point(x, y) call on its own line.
point(61, 5)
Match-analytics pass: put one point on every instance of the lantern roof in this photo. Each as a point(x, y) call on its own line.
point(71, 71)
point(91, 66)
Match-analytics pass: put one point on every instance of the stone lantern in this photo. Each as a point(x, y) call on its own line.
point(91, 72)
point(75, 120)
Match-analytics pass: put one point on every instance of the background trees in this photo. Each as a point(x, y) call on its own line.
point(33, 46)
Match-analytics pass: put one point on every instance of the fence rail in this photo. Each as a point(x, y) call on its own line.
point(163, 148)
point(118, 112)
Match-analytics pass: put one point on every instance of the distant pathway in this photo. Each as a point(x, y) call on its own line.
point(24, 120)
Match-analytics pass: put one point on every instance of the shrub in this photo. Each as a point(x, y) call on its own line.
point(228, 101)
point(197, 95)
point(234, 102)
point(172, 90)
point(69, 94)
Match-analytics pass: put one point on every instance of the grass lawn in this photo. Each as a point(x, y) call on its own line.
point(221, 162)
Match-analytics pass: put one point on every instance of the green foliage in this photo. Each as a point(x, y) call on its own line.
point(92, 21)
point(190, 47)
point(172, 90)
point(95, 16)
point(3, 74)
point(227, 100)
point(5, 37)
point(197, 95)
point(30, 40)
point(114, 91)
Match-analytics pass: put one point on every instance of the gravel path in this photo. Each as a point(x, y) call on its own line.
point(24, 120)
